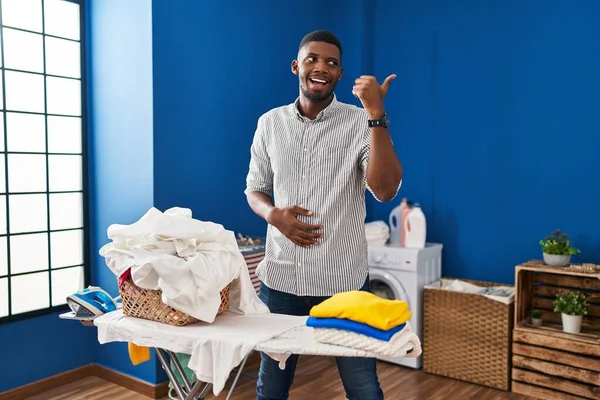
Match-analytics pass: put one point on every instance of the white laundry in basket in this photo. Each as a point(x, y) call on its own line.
point(189, 260)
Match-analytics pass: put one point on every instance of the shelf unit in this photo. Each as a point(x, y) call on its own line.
point(547, 362)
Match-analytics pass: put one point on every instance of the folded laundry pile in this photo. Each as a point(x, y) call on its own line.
point(377, 233)
point(365, 321)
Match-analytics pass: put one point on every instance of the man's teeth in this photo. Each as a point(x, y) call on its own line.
point(318, 80)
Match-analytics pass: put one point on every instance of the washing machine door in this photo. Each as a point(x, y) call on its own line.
point(386, 285)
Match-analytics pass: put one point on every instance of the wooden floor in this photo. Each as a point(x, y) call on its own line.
point(316, 378)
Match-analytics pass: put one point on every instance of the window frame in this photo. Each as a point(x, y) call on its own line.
point(84, 170)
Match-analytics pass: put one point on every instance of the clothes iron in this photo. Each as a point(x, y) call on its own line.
point(90, 303)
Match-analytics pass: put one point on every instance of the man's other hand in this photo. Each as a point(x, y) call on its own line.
point(286, 221)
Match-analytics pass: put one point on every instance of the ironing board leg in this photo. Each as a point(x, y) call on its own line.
point(199, 389)
point(195, 392)
point(165, 365)
point(179, 369)
point(237, 376)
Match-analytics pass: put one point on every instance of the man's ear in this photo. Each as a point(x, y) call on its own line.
point(295, 67)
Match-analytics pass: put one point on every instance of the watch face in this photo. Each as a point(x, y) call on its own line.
point(383, 121)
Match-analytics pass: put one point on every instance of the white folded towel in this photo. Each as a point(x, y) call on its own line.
point(403, 344)
point(377, 232)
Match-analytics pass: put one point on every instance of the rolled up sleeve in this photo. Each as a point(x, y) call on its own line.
point(260, 174)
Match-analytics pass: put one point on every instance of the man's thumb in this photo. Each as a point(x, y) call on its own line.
point(386, 84)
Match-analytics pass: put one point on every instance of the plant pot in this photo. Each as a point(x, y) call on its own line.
point(537, 322)
point(555, 260)
point(571, 323)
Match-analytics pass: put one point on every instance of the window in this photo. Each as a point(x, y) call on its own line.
point(42, 156)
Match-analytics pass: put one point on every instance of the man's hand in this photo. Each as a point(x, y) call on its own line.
point(371, 95)
point(284, 219)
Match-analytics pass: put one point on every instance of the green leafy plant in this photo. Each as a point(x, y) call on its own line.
point(536, 314)
point(557, 243)
point(571, 303)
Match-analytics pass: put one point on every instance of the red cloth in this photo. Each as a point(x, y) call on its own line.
point(124, 277)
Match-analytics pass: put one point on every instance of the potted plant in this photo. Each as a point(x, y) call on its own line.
point(536, 318)
point(572, 306)
point(557, 249)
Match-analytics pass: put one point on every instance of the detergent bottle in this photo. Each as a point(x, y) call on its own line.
point(416, 228)
point(396, 224)
point(406, 206)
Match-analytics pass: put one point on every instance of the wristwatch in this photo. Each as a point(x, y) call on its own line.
point(379, 123)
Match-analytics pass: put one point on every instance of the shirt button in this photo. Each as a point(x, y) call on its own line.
point(305, 149)
point(299, 264)
point(303, 176)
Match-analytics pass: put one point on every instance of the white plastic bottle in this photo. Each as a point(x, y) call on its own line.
point(396, 224)
point(415, 226)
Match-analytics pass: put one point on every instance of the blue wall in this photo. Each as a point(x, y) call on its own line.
point(37, 348)
point(121, 141)
point(494, 104)
point(495, 118)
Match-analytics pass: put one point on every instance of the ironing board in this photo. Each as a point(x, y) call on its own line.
point(115, 327)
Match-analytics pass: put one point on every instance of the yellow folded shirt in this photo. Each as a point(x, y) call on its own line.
point(138, 354)
point(364, 307)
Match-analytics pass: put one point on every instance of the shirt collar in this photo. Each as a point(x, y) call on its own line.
point(330, 109)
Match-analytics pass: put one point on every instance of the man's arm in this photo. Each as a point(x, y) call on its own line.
point(383, 168)
point(261, 203)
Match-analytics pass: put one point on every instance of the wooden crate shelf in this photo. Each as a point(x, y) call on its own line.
point(547, 362)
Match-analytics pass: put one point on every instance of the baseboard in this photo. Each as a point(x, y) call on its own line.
point(147, 389)
point(41, 386)
point(35, 388)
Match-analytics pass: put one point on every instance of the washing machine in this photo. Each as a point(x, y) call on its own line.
point(401, 273)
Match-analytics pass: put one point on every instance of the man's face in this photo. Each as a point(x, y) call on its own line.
point(318, 69)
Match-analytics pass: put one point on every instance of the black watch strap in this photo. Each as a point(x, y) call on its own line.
point(379, 123)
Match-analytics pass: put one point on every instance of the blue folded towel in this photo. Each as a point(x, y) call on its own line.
point(353, 326)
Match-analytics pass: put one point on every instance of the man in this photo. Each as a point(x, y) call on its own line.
point(310, 164)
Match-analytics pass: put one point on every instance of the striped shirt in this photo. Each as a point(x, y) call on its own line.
point(319, 165)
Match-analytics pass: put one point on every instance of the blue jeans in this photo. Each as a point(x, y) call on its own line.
point(359, 375)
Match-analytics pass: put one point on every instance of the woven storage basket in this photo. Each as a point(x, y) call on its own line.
point(148, 304)
point(468, 336)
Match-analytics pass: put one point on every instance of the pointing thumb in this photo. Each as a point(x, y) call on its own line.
point(386, 84)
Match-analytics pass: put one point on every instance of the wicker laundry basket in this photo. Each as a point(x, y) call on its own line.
point(468, 336)
point(148, 304)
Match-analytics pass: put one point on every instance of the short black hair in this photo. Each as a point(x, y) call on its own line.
point(321, 36)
